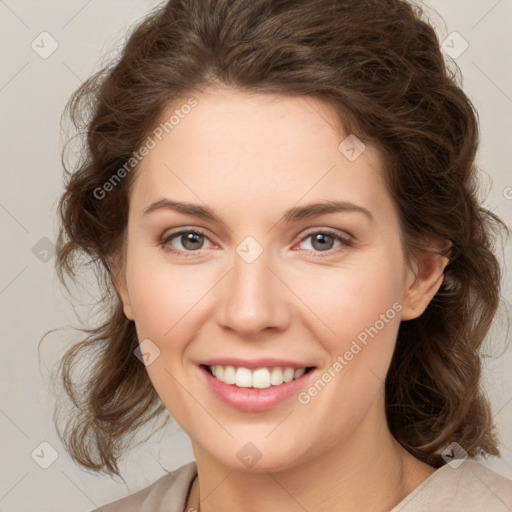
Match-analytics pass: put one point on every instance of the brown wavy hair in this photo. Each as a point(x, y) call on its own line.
point(378, 64)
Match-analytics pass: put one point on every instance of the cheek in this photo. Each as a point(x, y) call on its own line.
point(354, 297)
point(165, 301)
point(361, 307)
point(164, 296)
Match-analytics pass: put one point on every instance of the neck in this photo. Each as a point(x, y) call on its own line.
point(370, 471)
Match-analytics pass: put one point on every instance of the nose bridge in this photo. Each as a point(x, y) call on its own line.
point(252, 299)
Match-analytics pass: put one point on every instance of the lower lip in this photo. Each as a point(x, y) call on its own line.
point(252, 399)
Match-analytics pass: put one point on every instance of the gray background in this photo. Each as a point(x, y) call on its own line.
point(33, 91)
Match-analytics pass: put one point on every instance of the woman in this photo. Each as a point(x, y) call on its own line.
point(230, 141)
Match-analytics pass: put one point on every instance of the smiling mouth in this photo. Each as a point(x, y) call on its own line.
point(260, 378)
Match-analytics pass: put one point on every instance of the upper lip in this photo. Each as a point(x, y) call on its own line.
point(254, 363)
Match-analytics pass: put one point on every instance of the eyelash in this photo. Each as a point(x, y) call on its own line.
point(164, 242)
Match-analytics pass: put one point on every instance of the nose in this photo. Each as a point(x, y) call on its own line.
point(251, 298)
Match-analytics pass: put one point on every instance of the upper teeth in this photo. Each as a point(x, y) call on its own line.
point(260, 378)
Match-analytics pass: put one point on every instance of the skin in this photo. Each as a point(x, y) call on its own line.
point(249, 158)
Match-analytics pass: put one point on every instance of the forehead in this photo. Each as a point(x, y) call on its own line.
point(240, 147)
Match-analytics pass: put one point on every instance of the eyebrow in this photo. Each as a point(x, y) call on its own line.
point(293, 214)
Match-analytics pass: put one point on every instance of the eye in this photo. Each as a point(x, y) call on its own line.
point(326, 240)
point(184, 241)
point(188, 241)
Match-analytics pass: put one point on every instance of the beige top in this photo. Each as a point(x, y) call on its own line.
point(471, 487)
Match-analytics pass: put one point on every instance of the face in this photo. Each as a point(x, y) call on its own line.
point(253, 242)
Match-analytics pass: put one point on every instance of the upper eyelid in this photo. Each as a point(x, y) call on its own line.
point(332, 231)
point(168, 236)
point(180, 231)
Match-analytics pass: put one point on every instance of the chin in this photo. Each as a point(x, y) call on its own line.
point(259, 457)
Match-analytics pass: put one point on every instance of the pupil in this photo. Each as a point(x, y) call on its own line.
point(322, 239)
point(190, 239)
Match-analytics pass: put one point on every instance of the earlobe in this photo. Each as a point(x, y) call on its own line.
point(428, 277)
point(119, 282)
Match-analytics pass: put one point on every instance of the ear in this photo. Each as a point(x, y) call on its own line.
point(424, 279)
point(118, 278)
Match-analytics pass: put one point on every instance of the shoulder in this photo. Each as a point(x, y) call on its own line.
point(168, 493)
point(471, 487)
